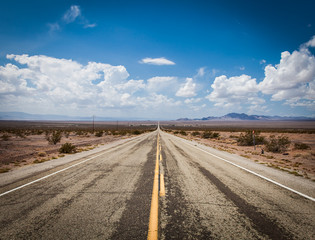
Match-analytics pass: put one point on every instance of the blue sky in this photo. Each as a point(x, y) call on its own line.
point(157, 59)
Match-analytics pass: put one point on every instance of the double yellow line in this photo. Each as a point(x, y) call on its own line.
point(154, 213)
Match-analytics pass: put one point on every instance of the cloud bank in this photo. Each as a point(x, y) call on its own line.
point(45, 83)
point(41, 83)
point(291, 81)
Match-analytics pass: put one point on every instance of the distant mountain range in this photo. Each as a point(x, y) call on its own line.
point(243, 116)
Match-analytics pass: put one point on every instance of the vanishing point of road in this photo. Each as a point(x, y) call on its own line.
point(200, 193)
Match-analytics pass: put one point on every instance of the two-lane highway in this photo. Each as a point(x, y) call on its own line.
point(108, 196)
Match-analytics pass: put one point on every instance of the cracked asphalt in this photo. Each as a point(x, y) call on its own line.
point(109, 197)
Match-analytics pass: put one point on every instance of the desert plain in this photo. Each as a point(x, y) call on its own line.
point(25, 143)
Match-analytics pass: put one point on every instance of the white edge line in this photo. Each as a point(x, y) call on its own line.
point(49, 175)
point(252, 172)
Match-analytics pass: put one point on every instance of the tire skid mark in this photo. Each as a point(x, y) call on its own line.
point(260, 221)
point(133, 223)
point(183, 220)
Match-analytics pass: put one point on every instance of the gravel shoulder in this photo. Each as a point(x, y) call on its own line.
point(33, 169)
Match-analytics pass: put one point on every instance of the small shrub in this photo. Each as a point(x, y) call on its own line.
point(79, 133)
point(247, 139)
point(182, 132)
point(301, 146)
point(40, 160)
point(99, 133)
point(67, 148)
point(4, 170)
point(209, 134)
point(39, 132)
point(215, 135)
point(136, 132)
point(5, 137)
point(277, 145)
point(122, 132)
point(54, 138)
point(42, 154)
point(195, 133)
point(20, 134)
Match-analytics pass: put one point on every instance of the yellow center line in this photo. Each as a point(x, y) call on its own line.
point(153, 223)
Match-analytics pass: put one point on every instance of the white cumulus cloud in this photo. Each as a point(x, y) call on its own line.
point(44, 84)
point(55, 82)
point(293, 79)
point(311, 43)
point(156, 84)
point(188, 89)
point(228, 92)
point(157, 61)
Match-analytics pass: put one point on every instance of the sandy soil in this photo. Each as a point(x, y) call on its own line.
point(293, 161)
point(19, 151)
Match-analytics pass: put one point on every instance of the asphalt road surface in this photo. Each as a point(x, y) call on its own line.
point(107, 195)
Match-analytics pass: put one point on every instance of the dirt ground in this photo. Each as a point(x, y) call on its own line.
point(293, 161)
point(19, 151)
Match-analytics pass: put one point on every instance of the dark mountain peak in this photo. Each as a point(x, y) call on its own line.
point(244, 116)
point(241, 116)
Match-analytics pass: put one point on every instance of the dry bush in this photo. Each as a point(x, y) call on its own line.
point(4, 170)
point(5, 137)
point(301, 146)
point(54, 137)
point(42, 154)
point(67, 148)
point(277, 145)
point(99, 133)
point(182, 132)
point(137, 132)
point(195, 133)
point(209, 134)
point(247, 139)
point(20, 133)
